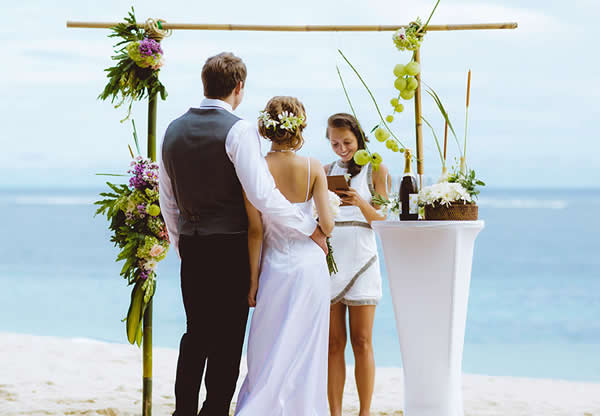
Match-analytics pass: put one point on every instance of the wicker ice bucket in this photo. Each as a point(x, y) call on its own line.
point(453, 212)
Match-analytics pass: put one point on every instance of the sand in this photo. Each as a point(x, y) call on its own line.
point(60, 376)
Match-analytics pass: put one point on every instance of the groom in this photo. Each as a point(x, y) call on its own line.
point(209, 157)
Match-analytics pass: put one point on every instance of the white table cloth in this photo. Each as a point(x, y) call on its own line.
point(429, 271)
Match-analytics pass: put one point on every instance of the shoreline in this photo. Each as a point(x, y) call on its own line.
point(44, 375)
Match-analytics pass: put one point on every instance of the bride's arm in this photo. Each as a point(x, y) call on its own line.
point(255, 239)
point(321, 198)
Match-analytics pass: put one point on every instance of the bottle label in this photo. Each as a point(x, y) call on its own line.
point(413, 203)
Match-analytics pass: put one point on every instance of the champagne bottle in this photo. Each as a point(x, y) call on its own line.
point(409, 208)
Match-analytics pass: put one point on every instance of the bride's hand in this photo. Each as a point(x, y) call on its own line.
point(252, 294)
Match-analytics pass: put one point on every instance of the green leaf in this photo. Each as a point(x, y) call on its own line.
point(135, 137)
point(437, 142)
point(444, 113)
point(372, 97)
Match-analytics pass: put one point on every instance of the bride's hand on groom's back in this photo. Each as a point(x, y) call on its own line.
point(320, 238)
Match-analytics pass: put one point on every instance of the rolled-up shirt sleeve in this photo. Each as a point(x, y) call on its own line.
point(243, 148)
point(168, 204)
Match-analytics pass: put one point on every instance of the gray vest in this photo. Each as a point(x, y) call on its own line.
point(206, 187)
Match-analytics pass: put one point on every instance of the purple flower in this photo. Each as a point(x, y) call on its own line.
point(149, 47)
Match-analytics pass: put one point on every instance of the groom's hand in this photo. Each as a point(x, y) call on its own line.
point(320, 238)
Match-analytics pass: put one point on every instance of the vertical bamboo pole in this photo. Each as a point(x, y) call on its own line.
point(418, 122)
point(147, 342)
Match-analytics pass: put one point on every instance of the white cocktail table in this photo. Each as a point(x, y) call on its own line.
point(429, 270)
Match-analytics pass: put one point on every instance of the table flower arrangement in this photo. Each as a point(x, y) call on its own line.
point(453, 198)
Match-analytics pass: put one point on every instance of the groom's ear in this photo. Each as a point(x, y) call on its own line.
point(239, 87)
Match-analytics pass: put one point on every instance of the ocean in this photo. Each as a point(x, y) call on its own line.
point(534, 305)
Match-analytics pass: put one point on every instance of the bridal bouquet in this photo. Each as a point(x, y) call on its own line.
point(334, 206)
point(139, 230)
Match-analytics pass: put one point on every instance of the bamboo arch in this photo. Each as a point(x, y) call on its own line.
point(161, 24)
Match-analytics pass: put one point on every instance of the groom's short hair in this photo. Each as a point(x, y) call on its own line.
point(221, 74)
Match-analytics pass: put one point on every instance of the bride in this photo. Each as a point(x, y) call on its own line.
point(288, 341)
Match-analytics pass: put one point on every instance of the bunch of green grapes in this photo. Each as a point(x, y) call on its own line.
point(406, 84)
point(363, 156)
point(383, 135)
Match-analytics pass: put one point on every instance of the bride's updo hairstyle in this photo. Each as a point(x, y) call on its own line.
point(348, 121)
point(273, 127)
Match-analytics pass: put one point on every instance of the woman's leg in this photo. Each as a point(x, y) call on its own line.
point(336, 371)
point(361, 331)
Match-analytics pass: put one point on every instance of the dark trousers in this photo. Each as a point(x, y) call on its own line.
point(215, 279)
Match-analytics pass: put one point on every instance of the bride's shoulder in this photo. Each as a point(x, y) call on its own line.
point(315, 163)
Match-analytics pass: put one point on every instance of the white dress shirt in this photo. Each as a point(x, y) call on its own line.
point(242, 145)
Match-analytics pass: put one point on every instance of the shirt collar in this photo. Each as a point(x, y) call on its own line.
point(213, 102)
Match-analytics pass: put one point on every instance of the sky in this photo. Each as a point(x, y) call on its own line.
point(534, 92)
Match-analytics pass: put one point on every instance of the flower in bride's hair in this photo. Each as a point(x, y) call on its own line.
point(289, 121)
point(266, 119)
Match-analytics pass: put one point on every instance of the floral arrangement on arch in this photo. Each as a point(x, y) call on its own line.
point(140, 232)
point(139, 58)
point(406, 83)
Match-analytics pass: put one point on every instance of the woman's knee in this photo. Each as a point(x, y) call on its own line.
point(361, 343)
point(337, 343)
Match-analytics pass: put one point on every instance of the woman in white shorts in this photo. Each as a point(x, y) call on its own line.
point(356, 286)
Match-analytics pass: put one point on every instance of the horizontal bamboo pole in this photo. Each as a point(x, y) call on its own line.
point(305, 28)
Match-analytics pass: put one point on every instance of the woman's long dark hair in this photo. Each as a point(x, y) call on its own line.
point(348, 121)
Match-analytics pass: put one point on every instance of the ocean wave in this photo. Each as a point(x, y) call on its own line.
point(48, 199)
point(517, 203)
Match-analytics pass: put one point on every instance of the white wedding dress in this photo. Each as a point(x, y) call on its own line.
point(289, 333)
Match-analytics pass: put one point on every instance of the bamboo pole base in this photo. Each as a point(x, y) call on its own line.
point(147, 394)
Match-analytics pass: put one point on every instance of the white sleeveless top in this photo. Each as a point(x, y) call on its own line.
point(358, 280)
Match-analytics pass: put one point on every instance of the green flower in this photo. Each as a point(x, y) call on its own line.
point(153, 210)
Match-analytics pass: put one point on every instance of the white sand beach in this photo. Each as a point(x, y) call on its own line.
point(60, 376)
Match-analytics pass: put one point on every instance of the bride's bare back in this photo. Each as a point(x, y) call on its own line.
point(292, 178)
point(291, 175)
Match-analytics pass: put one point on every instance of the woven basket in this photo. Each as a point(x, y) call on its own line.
point(453, 212)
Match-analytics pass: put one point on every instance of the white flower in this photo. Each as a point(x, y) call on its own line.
point(287, 120)
point(400, 33)
point(444, 193)
point(334, 205)
point(150, 265)
point(267, 120)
